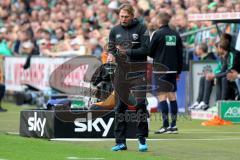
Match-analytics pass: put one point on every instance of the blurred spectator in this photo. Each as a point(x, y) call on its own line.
point(90, 19)
point(225, 89)
point(4, 48)
point(205, 86)
point(2, 92)
point(95, 48)
point(77, 46)
point(25, 43)
point(233, 75)
point(190, 39)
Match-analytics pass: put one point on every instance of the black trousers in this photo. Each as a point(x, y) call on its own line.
point(225, 89)
point(129, 92)
point(205, 90)
point(121, 121)
point(2, 91)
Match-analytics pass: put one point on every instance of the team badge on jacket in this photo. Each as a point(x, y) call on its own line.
point(118, 36)
point(135, 36)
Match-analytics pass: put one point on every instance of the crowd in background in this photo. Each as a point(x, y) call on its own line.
point(64, 27)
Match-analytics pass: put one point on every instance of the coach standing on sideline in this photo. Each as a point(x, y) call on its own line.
point(128, 43)
point(166, 49)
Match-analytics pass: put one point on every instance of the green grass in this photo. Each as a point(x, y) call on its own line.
point(183, 146)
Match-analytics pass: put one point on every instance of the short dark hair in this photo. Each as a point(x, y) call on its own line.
point(126, 7)
point(203, 47)
point(224, 44)
point(226, 36)
point(164, 17)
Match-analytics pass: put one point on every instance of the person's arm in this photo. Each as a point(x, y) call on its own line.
point(233, 75)
point(222, 74)
point(211, 76)
point(218, 69)
point(154, 43)
point(229, 67)
point(236, 63)
point(144, 40)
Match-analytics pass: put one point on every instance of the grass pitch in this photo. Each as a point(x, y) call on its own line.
point(194, 142)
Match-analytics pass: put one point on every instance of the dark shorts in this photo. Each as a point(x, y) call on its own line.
point(165, 83)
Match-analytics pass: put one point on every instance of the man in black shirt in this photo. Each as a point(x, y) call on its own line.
point(166, 50)
point(128, 43)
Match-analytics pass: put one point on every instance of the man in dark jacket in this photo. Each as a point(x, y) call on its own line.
point(205, 86)
point(225, 89)
point(202, 52)
point(166, 49)
point(128, 42)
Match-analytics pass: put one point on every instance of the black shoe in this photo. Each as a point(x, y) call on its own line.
point(3, 110)
point(162, 130)
point(173, 130)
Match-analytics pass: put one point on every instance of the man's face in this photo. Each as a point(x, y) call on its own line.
point(125, 17)
point(198, 51)
point(159, 23)
point(59, 34)
point(220, 52)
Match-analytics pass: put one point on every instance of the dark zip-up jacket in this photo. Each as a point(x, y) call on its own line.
point(166, 48)
point(134, 38)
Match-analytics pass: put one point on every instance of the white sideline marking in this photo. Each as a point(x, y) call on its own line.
point(198, 132)
point(8, 120)
point(73, 158)
point(195, 132)
point(155, 139)
point(13, 133)
point(207, 132)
